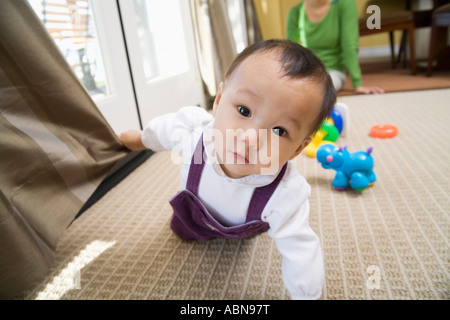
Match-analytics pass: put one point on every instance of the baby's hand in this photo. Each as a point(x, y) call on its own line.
point(131, 139)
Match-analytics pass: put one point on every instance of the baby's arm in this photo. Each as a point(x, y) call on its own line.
point(167, 131)
point(299, 246)
point(131, 139)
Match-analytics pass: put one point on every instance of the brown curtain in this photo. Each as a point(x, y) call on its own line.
point(214, 42)
point(253, 28)
point(55, 147)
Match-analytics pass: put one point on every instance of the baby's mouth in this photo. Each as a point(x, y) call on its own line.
point(239, 159)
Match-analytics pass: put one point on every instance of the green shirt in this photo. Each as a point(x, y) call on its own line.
point(334, 39)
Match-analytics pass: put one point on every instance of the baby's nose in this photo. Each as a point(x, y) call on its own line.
point(251, 138)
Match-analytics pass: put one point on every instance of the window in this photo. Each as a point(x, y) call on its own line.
point(71, 23)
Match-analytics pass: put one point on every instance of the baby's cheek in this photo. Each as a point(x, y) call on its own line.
point(269, 160)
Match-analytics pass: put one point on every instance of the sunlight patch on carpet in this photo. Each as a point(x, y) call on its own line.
point(69, 277)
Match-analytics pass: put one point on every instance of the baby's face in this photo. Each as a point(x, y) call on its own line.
point(263, 119)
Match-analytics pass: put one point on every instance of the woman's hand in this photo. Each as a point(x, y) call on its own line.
point(369, 90)
point(131, 139)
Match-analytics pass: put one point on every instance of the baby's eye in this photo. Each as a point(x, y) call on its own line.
point(279, 131)
point(244, 111)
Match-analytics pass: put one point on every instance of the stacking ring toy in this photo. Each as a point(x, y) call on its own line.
point(337, 119)
point(383, 131)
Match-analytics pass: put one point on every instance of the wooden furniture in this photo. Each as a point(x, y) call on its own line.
point(390, 22)
point(440, 20)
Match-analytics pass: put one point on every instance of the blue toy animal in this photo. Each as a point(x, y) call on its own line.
point(352, 169)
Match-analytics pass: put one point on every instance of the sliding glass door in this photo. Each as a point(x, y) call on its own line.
point(160, 40)
point(135, 57)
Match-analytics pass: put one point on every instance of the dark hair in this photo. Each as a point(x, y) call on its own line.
point(297, 62)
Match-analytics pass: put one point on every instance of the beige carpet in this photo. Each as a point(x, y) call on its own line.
point(389, 242)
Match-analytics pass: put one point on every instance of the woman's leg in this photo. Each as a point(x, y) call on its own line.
point(338, 78)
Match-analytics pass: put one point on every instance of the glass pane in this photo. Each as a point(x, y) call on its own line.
point(161, 38)
point(236, 16)
point(71, 23)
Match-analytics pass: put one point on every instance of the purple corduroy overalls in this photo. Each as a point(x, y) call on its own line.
point(192, 221)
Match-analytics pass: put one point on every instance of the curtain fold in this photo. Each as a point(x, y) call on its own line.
point(215, 44)
point(253, 28)
point(55, 147)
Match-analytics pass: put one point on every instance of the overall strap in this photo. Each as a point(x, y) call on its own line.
point(261, 196)
point(196, 168)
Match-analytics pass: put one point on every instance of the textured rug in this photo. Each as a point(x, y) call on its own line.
point(389, 242)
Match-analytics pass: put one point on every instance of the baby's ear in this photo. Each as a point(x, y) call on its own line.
point(218, 97)
point(302, 146)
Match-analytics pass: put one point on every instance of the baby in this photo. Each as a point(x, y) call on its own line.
point(236, 176)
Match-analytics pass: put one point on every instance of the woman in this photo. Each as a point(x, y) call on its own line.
point(330, 29)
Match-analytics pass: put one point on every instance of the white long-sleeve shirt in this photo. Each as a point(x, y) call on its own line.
point(227, 199)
